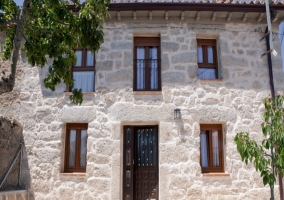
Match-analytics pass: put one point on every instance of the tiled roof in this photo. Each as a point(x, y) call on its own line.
point(254, 2)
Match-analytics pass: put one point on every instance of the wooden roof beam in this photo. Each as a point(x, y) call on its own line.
point(150, 15)
point(167, 15)
point(198, 15)
point(134, 15)
point(118, 15)
point(260, 17)
point(214, 15)
point(229, 17)
point(276, 17)
point(245, 16)
point(182, 15)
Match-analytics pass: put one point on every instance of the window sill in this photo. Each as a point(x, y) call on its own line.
point(84, 93)
point(75, 175)
point(216, 175)
point(147, 92)
point(212, 80)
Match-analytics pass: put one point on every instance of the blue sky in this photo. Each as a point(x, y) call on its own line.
point(19, 2)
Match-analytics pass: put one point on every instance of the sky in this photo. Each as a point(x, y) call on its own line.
point(19, 2)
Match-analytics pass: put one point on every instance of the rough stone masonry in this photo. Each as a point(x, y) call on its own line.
point(235, 101)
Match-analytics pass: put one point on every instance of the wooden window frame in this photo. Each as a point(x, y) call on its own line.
point(210, 168)
point(83, 67)
point(146, 42)
point(205, 43)
point(78, 127)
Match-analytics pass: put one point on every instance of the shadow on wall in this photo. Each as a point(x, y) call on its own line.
point(11, 136)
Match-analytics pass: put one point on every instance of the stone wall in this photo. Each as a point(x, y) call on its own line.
point(235, 101)
point(10, 139)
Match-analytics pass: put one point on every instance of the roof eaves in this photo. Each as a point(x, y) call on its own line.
point(229, 7)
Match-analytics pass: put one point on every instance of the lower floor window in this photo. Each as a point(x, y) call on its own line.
point(211, 148)
point(76, 147)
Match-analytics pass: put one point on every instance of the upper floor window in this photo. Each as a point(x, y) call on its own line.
point(76, 147)
point(83, 71)
point(211, 148)
point(207, 59)
point(147, 69)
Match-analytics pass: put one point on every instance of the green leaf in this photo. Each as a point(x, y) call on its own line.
point(273, 133)
point(265, 180)
point(53, 31)
point(267, 145)
point(77, 96)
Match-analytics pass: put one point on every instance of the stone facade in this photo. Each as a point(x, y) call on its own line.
point(235, 101)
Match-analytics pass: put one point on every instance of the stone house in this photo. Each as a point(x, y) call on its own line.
point(163, 99)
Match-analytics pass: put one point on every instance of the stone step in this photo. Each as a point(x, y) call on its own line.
point(14, 195)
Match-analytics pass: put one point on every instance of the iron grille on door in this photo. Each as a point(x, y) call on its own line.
point(140, 158)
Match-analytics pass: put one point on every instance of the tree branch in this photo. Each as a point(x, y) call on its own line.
point(27, 40)
point(18, 38)
point(31, 32)
point(268, 155)
point(9, 23)
point(60, 22)
point(256, 149)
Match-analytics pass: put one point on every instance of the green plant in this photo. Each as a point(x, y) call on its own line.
point(50, 29)
point(267, 157)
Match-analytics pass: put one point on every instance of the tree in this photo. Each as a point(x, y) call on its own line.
point(267, 157)
point(48, 28)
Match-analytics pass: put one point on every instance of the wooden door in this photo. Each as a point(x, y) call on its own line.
point(141, 175)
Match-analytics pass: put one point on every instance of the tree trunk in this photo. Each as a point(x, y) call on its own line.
point(271, 193)
point(7, 84)
point(280, 185)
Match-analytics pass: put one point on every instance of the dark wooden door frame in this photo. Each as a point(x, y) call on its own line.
point(128, 160)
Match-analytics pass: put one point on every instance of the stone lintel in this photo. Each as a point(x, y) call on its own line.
point(76, 114)
point(140, 113)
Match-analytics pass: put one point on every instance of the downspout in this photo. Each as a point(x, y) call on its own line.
point(269, 47)
point(270, 65)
